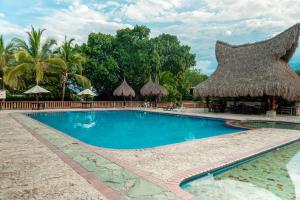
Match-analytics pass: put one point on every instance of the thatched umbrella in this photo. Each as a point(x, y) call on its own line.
point(255, 70)
point(124, 90)
point(36, 90)
point(154, 89)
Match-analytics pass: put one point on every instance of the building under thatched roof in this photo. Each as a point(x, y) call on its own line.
point(255, 69)
point(153, 89)
point(124, 90)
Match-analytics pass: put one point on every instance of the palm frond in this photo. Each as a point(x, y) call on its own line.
point(21, 44)
point(12, 75)
point(83, 81)
point(1, 42)
point(46, 47)
point(56, 64)
point(20, 55)
point(5, 54)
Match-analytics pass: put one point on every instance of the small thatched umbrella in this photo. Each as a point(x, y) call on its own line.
point(36, 90)
point(154, 89)
point(124, 90)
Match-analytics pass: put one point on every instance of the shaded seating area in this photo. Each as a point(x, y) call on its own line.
point(256, 70)
point(38, 105)
point(37, 91)
point(87, 93)
point(243, 108)
point(86, 104)
point(238, 108)
point(287, 110)
point(246, 107)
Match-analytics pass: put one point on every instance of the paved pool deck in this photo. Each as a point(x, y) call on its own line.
point(38, 162)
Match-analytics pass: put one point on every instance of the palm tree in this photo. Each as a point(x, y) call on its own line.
point(5, 57)
point(33, 57)
point(73, 65)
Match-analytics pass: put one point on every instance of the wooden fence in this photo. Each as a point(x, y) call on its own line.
point(28, 105)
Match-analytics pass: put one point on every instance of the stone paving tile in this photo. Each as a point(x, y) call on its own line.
point(128, 184)
point(165, 162)
point(29, 170)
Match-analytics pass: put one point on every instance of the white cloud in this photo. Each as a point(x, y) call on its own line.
point(205, 66)
point(151, 10)
point(10, 30)
point(234, 21)
point(2, 14)
point(77, 21)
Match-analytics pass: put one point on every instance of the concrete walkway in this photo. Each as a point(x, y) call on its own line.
point(29, 170)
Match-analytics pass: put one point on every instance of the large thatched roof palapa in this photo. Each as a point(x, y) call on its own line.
point(255, 69)
point(124, 90)
point(153, 89)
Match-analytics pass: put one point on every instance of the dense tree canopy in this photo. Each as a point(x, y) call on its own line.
point(133, 55)
point(102, 62)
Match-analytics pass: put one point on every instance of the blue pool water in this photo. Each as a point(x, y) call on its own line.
point(132, 129)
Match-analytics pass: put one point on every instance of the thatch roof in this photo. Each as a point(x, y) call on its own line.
point(124, 90)
point(255, 69)
point(87, 92)
point(153, 89)
point(36, 90)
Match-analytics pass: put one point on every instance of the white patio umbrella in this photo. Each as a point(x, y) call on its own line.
point(87, 93)
point(36, 90)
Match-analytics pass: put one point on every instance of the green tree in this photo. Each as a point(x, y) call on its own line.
point(133, 54)
point(194, 76)
point(6, 52)
point(170, 82)
point(177, 59)
point(33, 57)
point(174, 57)
point(101, 67)
point(72, 66)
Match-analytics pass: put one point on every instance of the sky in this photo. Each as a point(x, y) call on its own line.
point(197, 23)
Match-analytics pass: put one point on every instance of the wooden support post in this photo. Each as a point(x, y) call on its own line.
point(273, 103)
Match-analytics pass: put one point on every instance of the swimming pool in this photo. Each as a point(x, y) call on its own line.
point(274, 175)
point(132, 129)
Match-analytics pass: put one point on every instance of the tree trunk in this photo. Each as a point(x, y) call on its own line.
point(273, 103)
point(65, 78)
point(63, 91)
point(3, 85)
